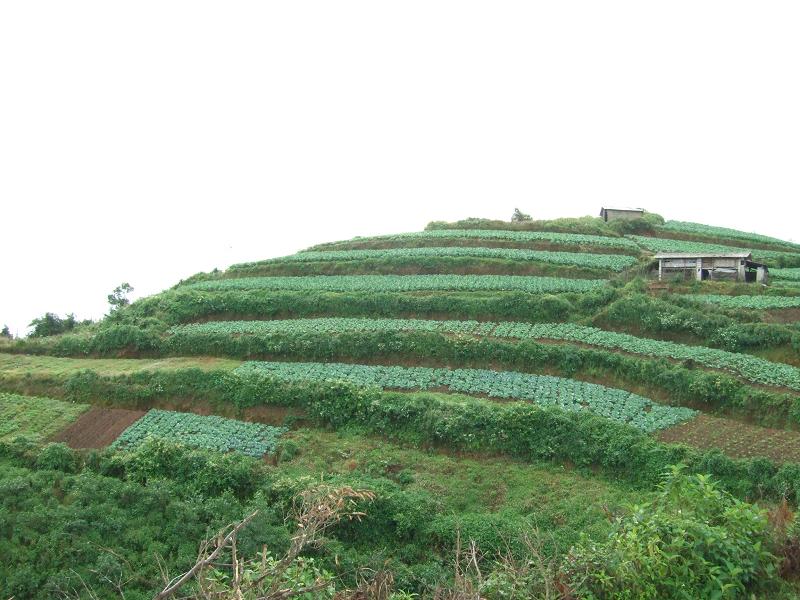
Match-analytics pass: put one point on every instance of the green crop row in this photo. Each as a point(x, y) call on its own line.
point(36, 418)
point(576, 239)
point(749, 367)
point(787, 274)
point(757, 302)
point(614, 262)
point(724, 232)
point(544, 390)
point(210, 432)
point(668, 245)
point(403, 283)
point(331, 325)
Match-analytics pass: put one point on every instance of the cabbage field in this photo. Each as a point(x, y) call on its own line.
point(332, 325)
point(210, 432)
point(504, 234)
point(403, 283)
point(711, 231)
point(614, 262)
point(667, 245)
point(757, 302)
point(544, 390)
point(787, 274)
point(749, 367)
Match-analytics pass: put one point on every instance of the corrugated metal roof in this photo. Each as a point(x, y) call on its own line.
point(703, 255)
point(628, 208)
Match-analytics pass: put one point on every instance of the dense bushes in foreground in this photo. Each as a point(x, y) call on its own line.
point(105, 524)
point(692, 541)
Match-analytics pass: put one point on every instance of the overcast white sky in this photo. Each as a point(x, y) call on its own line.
point(146, 141)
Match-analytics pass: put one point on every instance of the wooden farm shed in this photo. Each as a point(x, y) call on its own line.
point(734, 266)
point(616, 214)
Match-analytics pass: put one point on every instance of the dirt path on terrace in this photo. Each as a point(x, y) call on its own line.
point(98, 427)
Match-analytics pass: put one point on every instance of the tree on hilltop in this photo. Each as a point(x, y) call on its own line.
point(51, 324)
point(119, 297)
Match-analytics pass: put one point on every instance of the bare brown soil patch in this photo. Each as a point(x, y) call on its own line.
point(736, 439)
point(782, 315)
point(98, 427)
point(271, 415)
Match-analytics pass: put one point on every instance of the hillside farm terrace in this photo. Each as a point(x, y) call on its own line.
point(401, 283)
point(575, 239)
point(614, 262)
point(544, 390)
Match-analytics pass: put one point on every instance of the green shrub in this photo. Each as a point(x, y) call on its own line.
point(694, 541)
point(57, 457)
point(286, 449)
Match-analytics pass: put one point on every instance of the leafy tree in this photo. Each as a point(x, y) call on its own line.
point(6, 332)
point(51, 324)
point(119, 297)
point(519, 216)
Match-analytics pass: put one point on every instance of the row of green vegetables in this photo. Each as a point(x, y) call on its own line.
point(788, 274)
point(403, 283)
point(746, 301)
point(668, 245)
point(618, 405)
point(749, 367)
point(210, 432)
point(614, 262)
point(501, 234)
point(724, 232)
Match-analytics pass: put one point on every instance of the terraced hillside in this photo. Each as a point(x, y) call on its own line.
point(481, 378)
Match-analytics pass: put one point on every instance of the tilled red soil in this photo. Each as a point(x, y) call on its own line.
point(736, 439)
point(98, 427)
